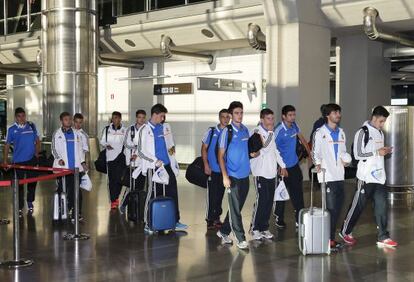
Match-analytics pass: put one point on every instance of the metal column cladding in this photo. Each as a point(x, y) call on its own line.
point(69, 61)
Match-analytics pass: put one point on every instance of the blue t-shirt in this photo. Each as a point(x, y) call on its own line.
point(335, 138)
point(70, 147)
point(211, 153)
point(23, 138)
point(160, 147)
point(237, 155)
point(286, 139)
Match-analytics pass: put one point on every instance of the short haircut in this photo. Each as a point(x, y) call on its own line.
point(140, 112)
point(322, 109)
point(329, 108)
point(266, 112)
point(380, 111)
point(234, 105)
point(19, 110)
point(288, 108)
point(118, 114)
point(78, 116)
point(64, 114)
point(223, 111)
point(158, 108)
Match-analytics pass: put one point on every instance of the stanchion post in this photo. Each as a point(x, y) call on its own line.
point(17, 262)
point(77, 235)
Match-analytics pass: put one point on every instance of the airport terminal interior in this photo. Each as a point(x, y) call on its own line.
point(195, 57)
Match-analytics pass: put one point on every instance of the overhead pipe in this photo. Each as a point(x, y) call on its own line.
point(19, 71)
point(256, 38)
point(370, 28)
point(121, 63)
point(166, 44)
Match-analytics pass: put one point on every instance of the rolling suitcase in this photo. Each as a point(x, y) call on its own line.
point(161, 211)
point(136, 203)
point(60, 208)
point(314, 225)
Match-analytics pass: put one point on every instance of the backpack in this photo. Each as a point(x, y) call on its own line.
point(366, 140)
point(229, 138)
point(132, 132)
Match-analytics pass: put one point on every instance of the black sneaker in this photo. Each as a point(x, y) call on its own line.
point(280, 224)
point(211, 225)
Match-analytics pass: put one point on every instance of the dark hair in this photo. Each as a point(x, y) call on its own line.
point(158, 108)
point(380, 111)
point(140, 112)
point(288, 108)
point(234, 105)
point(78, 116)
point(223, 111)
point(329, 108)
point(322, 109)
point(19, 110)
point(118, 114)
point(266, 112)
point(64, 114)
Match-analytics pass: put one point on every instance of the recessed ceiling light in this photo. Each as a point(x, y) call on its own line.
point(207, 33)
point(130, 42)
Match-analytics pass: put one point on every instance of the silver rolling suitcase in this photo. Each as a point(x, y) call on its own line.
point(60, 206)
point(314, 225)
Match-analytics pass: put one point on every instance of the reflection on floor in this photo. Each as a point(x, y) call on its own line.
point(120, 251)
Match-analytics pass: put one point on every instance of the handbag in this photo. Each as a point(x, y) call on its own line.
point(100, 163)
point(281, 193)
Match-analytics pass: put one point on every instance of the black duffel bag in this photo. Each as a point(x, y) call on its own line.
point(195, 173)
point(100, 163)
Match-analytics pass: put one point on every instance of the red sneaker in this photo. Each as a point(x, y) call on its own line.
point(388, 243)
point(348, 239)
point(115, 204)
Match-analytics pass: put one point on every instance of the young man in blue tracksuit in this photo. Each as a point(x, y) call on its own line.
point(153, 153)
point(215, 188)
point(287, 134)
point(26, 146)
point(233, 157)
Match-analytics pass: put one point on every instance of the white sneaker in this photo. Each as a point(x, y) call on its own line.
point(266, 234)
point(225, 239)
point(257, 235)
point(243, 245)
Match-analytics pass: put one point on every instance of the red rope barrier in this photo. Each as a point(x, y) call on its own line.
point(57, 172)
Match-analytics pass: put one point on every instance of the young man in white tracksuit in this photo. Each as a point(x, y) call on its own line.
point(264, 170)
point(112, 140)
point(67, 150)
point(131, 155)
point(329, 154)
point(153, 152)
point(369, 150)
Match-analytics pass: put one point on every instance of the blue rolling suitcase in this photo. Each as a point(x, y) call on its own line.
point(161, 212)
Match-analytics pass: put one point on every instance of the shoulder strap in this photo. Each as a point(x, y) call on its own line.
point(211, 137)
point(366, 135)
point(106, 133)
point(229, 135)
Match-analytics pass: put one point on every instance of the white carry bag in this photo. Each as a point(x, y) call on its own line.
point(60, 206)
point(161, 176)
point(281, 193)
point(86, 183)
point(315, 225)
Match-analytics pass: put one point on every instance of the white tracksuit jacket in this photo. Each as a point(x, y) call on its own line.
point(323, 154)
point(115, 139)
point(371, 165)
point(60, 153)
point(265, 165)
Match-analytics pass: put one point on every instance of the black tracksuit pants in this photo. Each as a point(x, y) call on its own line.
point(215, 193)
point(31, 187)
point(265, 191)
point(237, 195)
point(334, 202)
point(294, 185)
point(70, 190)
point(378, 194)
point(116, 170)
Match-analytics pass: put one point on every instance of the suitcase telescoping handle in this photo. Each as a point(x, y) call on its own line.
point(323, 188)
point(154, 186)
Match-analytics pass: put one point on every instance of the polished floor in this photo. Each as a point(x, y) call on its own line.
point(120, 251)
